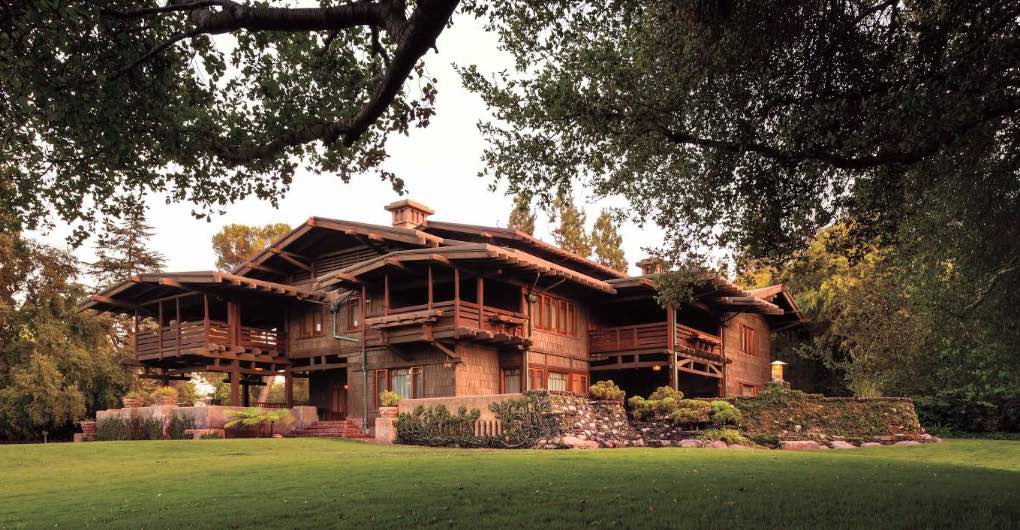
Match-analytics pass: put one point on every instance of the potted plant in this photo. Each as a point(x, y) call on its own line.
point(133, 399)
point(388, 404)
point(88, 429)
point(165, 396)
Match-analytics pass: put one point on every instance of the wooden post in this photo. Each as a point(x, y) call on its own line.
point(481, 299)
point(288, 389)
point(235, 380)
point(233, 325)
point(135, 338)
point(456, 299)
point(205, 313)
point(178, 302)
point(245, 393)
point(722, 351)
point(386, 293)
point(430, 286)
point(361, 316)
point(674, 374)
point(159, 329)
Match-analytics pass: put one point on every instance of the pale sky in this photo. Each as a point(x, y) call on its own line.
point(439, 165)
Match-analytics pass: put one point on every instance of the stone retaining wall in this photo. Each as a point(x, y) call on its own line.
point(800, 416)
point(590, 423)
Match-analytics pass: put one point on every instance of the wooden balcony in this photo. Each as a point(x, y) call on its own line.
point(195, 337)
point(448, 319)
point(654, 337)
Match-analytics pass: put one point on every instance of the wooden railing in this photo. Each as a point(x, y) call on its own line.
point(623, 338)
point(653, 335)
point(467, 315)
point(175, 339)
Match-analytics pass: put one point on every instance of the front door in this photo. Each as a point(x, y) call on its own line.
point(337, 402)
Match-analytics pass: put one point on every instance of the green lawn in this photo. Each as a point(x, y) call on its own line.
point(313, 483)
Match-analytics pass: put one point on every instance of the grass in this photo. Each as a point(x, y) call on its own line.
point(322, 483)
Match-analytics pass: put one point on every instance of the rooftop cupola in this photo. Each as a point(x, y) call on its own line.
point(409, 214)
point(652, 266)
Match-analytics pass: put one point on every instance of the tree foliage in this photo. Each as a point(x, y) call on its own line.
point(521, 217)
point(607, 243)
point(56, 365)
point(237, 243)
point(571, 234)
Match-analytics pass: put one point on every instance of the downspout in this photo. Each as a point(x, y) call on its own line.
point(526, 368)
point(334, 308)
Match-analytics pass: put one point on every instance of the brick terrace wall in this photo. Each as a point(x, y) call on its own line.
point(209, 417)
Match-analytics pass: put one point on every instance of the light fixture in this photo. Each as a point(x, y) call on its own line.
point(777, 370)
point(656, 368)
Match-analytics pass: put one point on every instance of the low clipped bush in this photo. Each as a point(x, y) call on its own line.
point(723, 413)
point(435, 426)
point(691, 412)
point(112, 429)
point(663, 402)
point(730, 436)
point(606, 390)
point(178, 426)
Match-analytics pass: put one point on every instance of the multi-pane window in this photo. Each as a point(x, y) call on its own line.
point(749, 340)
point(408, 383)
point(311, 323)
point(579, 383)
point(557, 381)
point(748, 390)
point(511, 380)
point(353, 314)
point(555, 314)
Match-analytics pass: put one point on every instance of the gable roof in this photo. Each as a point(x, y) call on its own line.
point(471, 254)
point(371, 234)
point(526, 242)
point(130, 295)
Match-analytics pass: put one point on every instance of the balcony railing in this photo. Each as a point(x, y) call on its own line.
point(178, 339)
point(654, 335)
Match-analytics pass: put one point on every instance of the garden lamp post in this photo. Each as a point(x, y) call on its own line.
point(777, 371)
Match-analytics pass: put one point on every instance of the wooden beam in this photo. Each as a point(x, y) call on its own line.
point(443, 348)
point(113, 301)
point(292, 259)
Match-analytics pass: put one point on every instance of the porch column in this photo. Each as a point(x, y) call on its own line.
point(235, 383)
point(245, 394)
point(674, 375)
point(288, 389)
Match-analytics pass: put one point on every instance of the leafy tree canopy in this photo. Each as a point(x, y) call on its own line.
point(236, 243)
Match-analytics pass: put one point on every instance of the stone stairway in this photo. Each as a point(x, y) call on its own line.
point(330, 429)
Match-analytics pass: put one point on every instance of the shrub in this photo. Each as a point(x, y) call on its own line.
point(435, 426)
point(662, 402)
point(164, 391)
point(251, 420)
point(723, 413)
point(768, 440)
point(211, 436)
point(389, 399)
point(691, 412)
point(178, 425)
point(730, 436)
point(525, 420)
point(140, 396)
point(112, 429)
point(606, 390)
point(664, 392)
point(145, 428)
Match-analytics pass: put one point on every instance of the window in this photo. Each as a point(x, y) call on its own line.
point(354, 314)
point(511, 381)
point(536, 379)
point(579, 383)
point(555, 314)
point(748, 390)
point(408, 383)
point(749, 340)
point(557, 381)
point(311, 323)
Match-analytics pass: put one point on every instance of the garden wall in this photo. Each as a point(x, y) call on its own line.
point(793, 415)
point(590, 423)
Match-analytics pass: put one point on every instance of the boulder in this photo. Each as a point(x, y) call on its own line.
point(800, 445)
point(908, 442)
point(737, 446)
point(691, 443)
point(871, 444)
point(717, 444)
point(578, 443)
point(840, 444)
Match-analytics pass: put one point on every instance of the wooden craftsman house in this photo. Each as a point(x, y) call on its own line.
point(434, 309)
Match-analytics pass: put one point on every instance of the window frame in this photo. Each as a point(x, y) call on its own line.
point(503, 373)
point(565, 378)
point(748, 340)
point(555, 315)
point(309, 319)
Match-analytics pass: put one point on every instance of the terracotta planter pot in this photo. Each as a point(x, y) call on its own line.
point(388, 412)
point(132, 403)
point(166, 401)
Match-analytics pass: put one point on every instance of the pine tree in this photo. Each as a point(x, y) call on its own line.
point(521, 217)
point(607, 243)
point(571, 234)
point(123, 250)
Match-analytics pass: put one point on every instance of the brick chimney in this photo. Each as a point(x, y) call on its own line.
point(409, 214)
point(652, 266)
